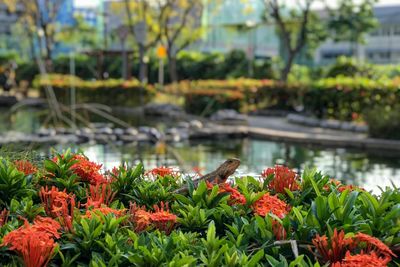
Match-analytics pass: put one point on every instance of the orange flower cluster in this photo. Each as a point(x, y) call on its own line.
point(333, 182)
point(343, 251)
point(140, 217)
point(87, 170)
point(58, 204)
point(283, 177)
point(162, 171)
point(349, 187)
point(198, 170)
point(161, 218)
point(34, 242)
point(278, 230)
point(114, 172)
point(25, 166)
point(235, 196)
point(371, 244)
point(270, 204)
point(3, 217)
point(340, 187)
point(332, 250)
point(104, 210)
point(98, 195)
point(364, 260)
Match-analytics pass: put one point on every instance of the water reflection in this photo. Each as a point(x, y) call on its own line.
point(358, 168)
point(361, 168)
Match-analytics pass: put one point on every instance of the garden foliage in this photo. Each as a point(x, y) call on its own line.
point(69, 212)
point(341, 98)
point(112, 92)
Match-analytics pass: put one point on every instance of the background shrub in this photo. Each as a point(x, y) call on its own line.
point(112, 92)
point(384, 122)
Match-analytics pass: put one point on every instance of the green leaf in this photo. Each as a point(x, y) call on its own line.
point(256, 258)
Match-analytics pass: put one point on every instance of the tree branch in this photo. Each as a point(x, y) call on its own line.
point(303, 28)
point(275, 12)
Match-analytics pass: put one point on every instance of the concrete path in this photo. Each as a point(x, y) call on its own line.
point(281, 123)
point(279, 129)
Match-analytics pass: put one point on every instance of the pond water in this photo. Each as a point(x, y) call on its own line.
point(368, 170)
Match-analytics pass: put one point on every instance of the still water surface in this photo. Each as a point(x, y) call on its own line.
point(360, 168)
point(368, 170)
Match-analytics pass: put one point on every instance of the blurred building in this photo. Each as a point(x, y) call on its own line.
point(239, 25)
point(7, 19)
point(382, 46)
point(65, 14)
point(90, 15)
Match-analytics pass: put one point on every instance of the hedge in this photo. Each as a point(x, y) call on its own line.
point(111, 92)
point(190, 65)
point(334, 98)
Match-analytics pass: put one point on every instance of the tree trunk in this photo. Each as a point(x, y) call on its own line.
point(142, 64)
point(49, 50)
point(288, 66)
point(173, 73)
point(31, 41)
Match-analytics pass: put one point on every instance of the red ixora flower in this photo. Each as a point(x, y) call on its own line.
point(235, 196)
point(162, 218)
point(105, 211)
point(334, 249)
point(87, 170)
point(331, 182)
point(35, 243)
point(370, 244)
point(364, 260)
point(283, 177)
point(278, 230)
point(58, 204)
point(342, 251)
point(100, 194)
point(270, 204)
point(349, 187)
point(340, 187)
point(25, 166)
point(4, 217)
point(140, 217)
point(198, 170)
point(162, 171)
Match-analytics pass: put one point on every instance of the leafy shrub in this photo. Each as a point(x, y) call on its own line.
point(349, 67)
point(206, 102)
point(14, 184)
point(110, 92)
point(190, 65)
point(310, 220)
point(384, 122)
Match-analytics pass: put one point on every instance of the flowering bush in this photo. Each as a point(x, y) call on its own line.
point(342, 98)
point(66, 216)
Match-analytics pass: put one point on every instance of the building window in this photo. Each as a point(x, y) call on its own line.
point(386, 31)
point(384, 55)
point(396, 30)
point(375, 33)
point(328, 55)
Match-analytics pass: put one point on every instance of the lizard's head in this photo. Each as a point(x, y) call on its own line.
point(229, 167)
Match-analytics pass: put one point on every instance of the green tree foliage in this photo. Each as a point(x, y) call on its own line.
point(352, 20)
point(39, 21)
point(181, 27)
point(143, 19)
point(80, 34)
point(298, 27)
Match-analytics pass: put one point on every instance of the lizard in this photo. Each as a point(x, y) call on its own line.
point(219, 176)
